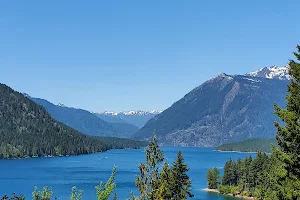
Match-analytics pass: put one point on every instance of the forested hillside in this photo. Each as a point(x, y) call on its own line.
point(27, 129)
point(250, 145)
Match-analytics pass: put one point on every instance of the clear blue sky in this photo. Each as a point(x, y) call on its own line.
point(122, 55)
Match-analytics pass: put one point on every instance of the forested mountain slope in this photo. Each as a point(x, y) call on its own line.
point(27, 129)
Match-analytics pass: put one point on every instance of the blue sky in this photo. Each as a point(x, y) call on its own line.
point(121, 55)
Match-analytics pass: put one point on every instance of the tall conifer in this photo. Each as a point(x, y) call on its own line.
point(288, 136)
point(180, 182)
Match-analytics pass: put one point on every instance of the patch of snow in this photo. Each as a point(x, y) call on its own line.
point(132, 112)
point(223, 75)
point(252, 80)
point(273, 72)
point(26, 95)
point(110, 113)
point(61, 105)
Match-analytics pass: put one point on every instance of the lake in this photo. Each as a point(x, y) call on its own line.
point(86, 171)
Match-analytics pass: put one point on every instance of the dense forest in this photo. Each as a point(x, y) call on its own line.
point(250, 145)
point(247, 177)
point(27, 129)
point(276, 176)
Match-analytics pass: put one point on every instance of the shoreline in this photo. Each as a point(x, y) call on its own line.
point(240, 151)
point(236, 151)
point(51, 156)
point(236, 196)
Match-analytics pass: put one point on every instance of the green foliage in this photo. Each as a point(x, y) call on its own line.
point(76, 194)
point(250, 145)
point(14, 197)
point(288, 137)
point(248, 176)
point(45, 194)
point(103, 191)
point(164, 190)
point(213, 178)
point(148, 182)
point(180, 184)
point(27, 130)
point(230, 173)
point(225, 189)
point(170, 183)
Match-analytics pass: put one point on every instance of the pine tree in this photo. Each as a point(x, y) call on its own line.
point(213, 178)
point(230, 173)
point(45, 194)
point(180, 182)
point(149, 181)
point(103, 191)
point(76, 194)
point(288, 136)
point(164, 190)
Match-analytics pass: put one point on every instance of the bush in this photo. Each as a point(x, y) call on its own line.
point(234, 190)
point(225, 189)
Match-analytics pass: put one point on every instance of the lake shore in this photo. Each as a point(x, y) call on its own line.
point(237, 196)
point(235, 151)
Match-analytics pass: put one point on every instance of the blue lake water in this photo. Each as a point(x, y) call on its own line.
point(86, 171)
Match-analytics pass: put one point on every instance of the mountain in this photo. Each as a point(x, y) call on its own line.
point(250, 145)
point(222, 110)
point(273, 72)
point(110, 117)
point(86, 122)
point(27, 129)
point(136, 118)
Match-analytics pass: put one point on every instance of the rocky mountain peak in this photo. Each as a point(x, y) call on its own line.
point(272, 72)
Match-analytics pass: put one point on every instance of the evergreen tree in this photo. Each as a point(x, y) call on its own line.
point(148, 182)
point(45, 194)
point(103, 191)
point(180, 182)
point(230, 173)
point(213, 178)
point(288, 136)
point(76, 194)
point(164, 190)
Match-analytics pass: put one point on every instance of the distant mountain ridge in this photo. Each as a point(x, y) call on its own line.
point(221, 110)
point(84, 121)
point(133, 112)
point(138, 118)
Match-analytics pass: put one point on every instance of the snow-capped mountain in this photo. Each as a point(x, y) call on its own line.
point(224, 109)
point(138, 118)
point(273, 72)
point(139, 112)
point(132, 112)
